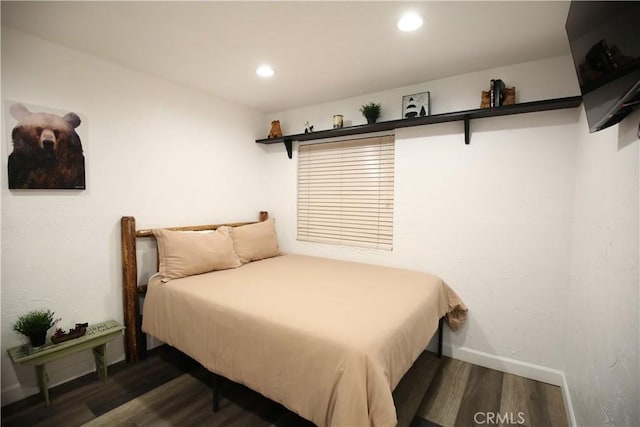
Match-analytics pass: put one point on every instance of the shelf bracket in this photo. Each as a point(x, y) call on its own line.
point(467, 133)
point(288, 143)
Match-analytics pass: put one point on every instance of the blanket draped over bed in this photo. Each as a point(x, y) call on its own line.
point(328, 339)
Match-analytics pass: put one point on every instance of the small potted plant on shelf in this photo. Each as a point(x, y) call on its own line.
point(35, 325)
point(371, 111)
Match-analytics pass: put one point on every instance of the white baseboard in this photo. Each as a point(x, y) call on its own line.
point(503, 364)
point(516, 367)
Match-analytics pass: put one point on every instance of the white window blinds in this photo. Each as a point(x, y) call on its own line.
point(345, 192)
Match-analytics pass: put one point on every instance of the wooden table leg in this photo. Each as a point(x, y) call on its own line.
point(43, 382)
point(99, 353)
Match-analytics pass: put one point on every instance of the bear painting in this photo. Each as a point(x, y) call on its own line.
point(47, 151)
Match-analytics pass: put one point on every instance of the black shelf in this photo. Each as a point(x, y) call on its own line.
point(466, 116)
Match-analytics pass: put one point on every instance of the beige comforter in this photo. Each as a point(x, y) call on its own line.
point(328, 339)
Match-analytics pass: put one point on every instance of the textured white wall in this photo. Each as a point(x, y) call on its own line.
point(165, 154)
point(602, 334)
point(491, 218)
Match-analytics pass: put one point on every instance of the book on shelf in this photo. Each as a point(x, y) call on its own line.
point(492, 93)
point(496, 92)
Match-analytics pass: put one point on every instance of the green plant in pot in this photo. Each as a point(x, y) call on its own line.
point(371, 111)
point(35, 325)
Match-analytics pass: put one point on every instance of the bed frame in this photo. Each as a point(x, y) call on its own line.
point(135, 339)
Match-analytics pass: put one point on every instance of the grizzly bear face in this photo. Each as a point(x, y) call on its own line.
point(47, 151)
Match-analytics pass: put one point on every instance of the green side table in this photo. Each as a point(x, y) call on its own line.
point(96, 339)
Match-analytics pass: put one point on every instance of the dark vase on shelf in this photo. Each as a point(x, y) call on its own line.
point(371, 120)
point(38, 338)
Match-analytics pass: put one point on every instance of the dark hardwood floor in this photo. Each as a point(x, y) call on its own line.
point(170, 389)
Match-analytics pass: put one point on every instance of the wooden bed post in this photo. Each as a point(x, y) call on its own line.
point(264, 215)
point(130, 287)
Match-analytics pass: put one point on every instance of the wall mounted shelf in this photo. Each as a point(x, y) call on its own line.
point(465, 116)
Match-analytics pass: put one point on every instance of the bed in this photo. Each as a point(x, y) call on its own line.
point(328, 339)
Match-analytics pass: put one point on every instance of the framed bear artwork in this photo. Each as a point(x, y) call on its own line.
point(45, 148)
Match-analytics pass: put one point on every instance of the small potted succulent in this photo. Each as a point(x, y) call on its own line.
point(371, 111)
point(35, 325)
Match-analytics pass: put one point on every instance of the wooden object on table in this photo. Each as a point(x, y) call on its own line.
point(61, 336)
point(96, 339)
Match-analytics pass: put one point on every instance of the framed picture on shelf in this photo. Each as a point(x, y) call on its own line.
point(416, 105)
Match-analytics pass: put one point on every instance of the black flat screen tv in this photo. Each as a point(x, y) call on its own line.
point(604, 37)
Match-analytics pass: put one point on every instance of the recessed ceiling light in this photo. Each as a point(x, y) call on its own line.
point(409, 22)
point(265, 71)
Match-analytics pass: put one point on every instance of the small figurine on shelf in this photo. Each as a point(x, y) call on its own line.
point(308, 128)
point(485, 100)
point(276, 131)
point(509, 96)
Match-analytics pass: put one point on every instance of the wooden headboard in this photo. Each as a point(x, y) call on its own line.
point(135, 341)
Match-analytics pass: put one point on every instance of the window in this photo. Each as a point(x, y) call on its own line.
point(345, 192)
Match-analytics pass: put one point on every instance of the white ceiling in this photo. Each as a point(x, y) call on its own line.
point(321, 51)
